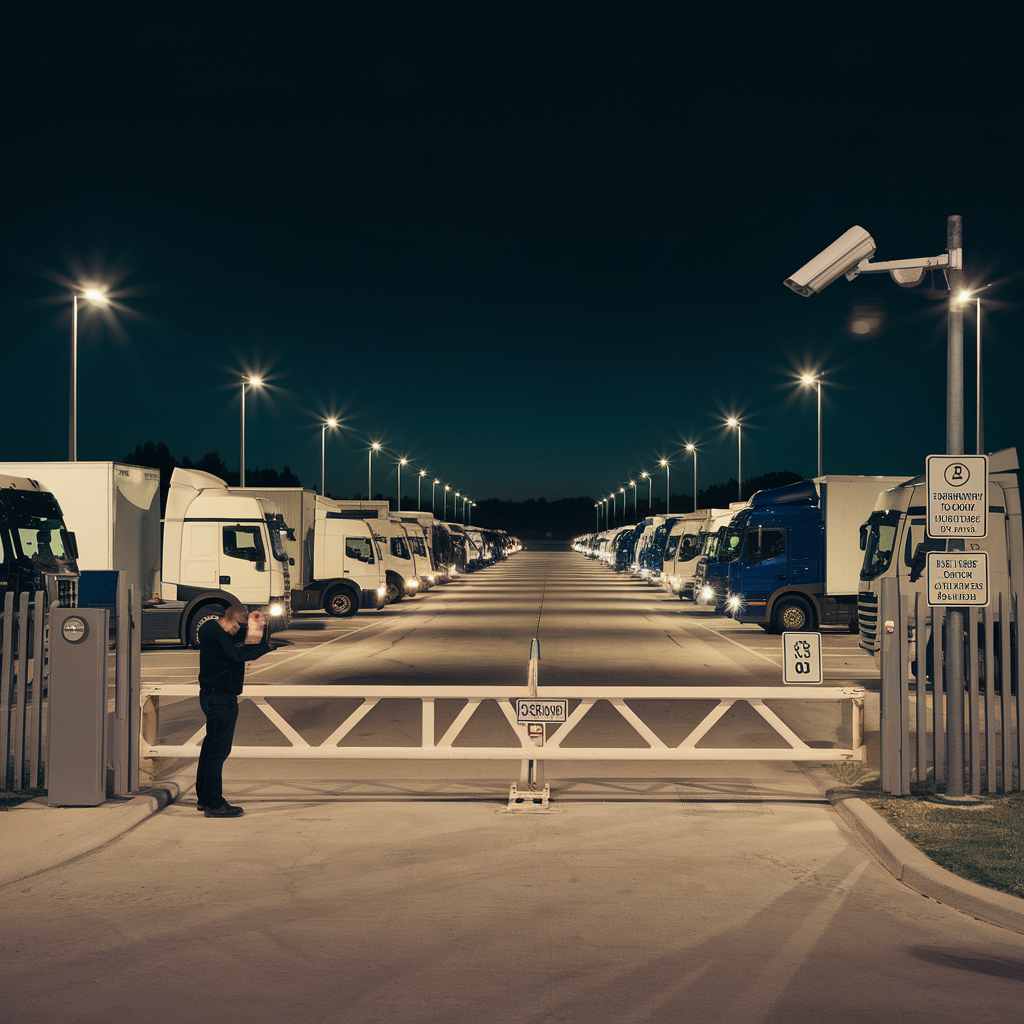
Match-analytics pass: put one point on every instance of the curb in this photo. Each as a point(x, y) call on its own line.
point(916, 870)
point(118, 819)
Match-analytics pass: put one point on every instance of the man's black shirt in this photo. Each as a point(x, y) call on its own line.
point(222, 657)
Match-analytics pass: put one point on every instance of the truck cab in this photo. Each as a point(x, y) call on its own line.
point(36, 550)
point(220, 548)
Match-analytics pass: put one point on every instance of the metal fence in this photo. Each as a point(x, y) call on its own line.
point(915, 692)
point(22, 689)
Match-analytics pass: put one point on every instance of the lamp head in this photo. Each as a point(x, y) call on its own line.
point(423, 472)
point(375, 447)
point(732, 422)
point(403, 462)
point(96, 296)
point(664, 462)
point(691, 447)
point(332, 423)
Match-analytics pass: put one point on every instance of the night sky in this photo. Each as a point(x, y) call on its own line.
point(533, 248)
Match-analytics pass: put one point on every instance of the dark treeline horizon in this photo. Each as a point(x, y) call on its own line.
point(529, 519)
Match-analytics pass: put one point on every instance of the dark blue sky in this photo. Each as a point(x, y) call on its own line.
point(532, 251)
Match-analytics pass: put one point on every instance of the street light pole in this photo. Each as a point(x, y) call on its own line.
point(375, 447)
point(419, 490)
point(814, 380)
point(650, 487)
point(732, 421)
point(632, 483)
point(664, 462)
point(253, 382)
point(692, 449)
point(332, 423)
point(97, 298)
point(433, 500)
point(444, 513)
point(401, 463)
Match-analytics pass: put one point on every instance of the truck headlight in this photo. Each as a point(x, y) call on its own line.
point(382, 591)
point(276, 610)
point(734, 602)
point(707, 593)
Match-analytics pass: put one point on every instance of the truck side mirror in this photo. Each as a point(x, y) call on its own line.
point(291, 561)
point(863, 536)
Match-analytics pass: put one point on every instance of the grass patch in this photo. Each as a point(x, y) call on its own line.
point(983, 846)
point(11, 798)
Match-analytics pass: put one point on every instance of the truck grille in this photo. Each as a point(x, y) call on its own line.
point(867, 620)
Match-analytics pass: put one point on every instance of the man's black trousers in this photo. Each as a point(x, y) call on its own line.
point(221, 710)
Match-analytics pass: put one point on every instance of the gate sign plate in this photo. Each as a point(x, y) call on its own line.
point(958, 578)
point(801, 659)
point(957, 495)
point(535, 709)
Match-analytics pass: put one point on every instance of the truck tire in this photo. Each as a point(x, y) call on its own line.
point(340, 602)
point(395, 587)
point(792, 615)
point(202, 614)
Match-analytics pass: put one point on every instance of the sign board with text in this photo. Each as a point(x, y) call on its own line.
point(535, 709)
point(958, 578)
point(957, 495)
point(801, 659)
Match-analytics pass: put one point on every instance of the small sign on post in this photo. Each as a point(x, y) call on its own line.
point(801, 659)
point(958, 578)
point(957, 495)
point(533, 710)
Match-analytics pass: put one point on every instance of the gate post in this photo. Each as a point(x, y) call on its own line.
point(892, 630)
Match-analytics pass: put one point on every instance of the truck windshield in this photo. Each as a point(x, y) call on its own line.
point(729, 543)
point(37, 528)
point(879, 542)
point(670, 547)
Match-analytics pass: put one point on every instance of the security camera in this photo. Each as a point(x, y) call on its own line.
point(841, 257)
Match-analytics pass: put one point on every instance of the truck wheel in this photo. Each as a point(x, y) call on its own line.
point(340, 603)
point(204, 613)
point(396, 589)
point(791, 615)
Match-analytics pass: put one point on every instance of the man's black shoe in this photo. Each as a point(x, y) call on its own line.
point(224, 811)
point(200, 807)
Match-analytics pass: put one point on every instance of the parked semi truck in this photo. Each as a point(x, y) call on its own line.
point(791, 559)
point(37, 551)
point(218, 548)
point(894, 544)
point(336, 563)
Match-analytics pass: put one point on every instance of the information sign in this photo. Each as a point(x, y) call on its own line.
point(535, 709)
point(957, 495)
point(801, 659)
point(958, 578)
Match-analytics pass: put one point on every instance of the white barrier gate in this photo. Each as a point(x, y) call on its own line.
point(531, 751)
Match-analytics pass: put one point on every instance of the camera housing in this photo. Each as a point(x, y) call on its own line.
point(841, 257)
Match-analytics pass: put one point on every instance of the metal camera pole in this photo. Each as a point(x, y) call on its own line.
point(954, 645)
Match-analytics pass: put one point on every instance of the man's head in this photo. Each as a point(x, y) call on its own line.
point(235, 617)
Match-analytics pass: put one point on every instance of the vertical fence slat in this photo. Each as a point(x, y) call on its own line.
point(1018, 666)
point(938, 695)
point(974, 745)
point(991, 780)
point(36, 739)
point(20, 691)
point(6, 677)
point(921, 659)
point(1006, 711)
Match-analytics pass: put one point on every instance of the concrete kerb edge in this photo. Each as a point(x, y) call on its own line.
point(82, 841)
point(916, 870)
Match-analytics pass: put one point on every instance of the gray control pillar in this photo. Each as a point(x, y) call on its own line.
point(76, 735)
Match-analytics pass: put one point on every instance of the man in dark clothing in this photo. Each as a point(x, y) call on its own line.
point(224, 648)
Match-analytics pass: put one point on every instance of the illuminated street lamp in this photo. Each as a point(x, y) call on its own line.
point(732, 421)
point(622, 491)
point(444, 513)
point(632, 483)
point(664, 462)
point(597, 517)
point(419, 490)
point(433, 503)
point(400, 464)
point(375, 447)
point(332, 423)
point(253, 382)
point(814, 380)
point(650, 487)
point(692, 448)
point(98, 298)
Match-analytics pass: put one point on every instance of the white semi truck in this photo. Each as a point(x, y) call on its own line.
point(218, 548)
point(336, 561)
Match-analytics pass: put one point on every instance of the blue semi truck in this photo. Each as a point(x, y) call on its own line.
point(791, 559)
